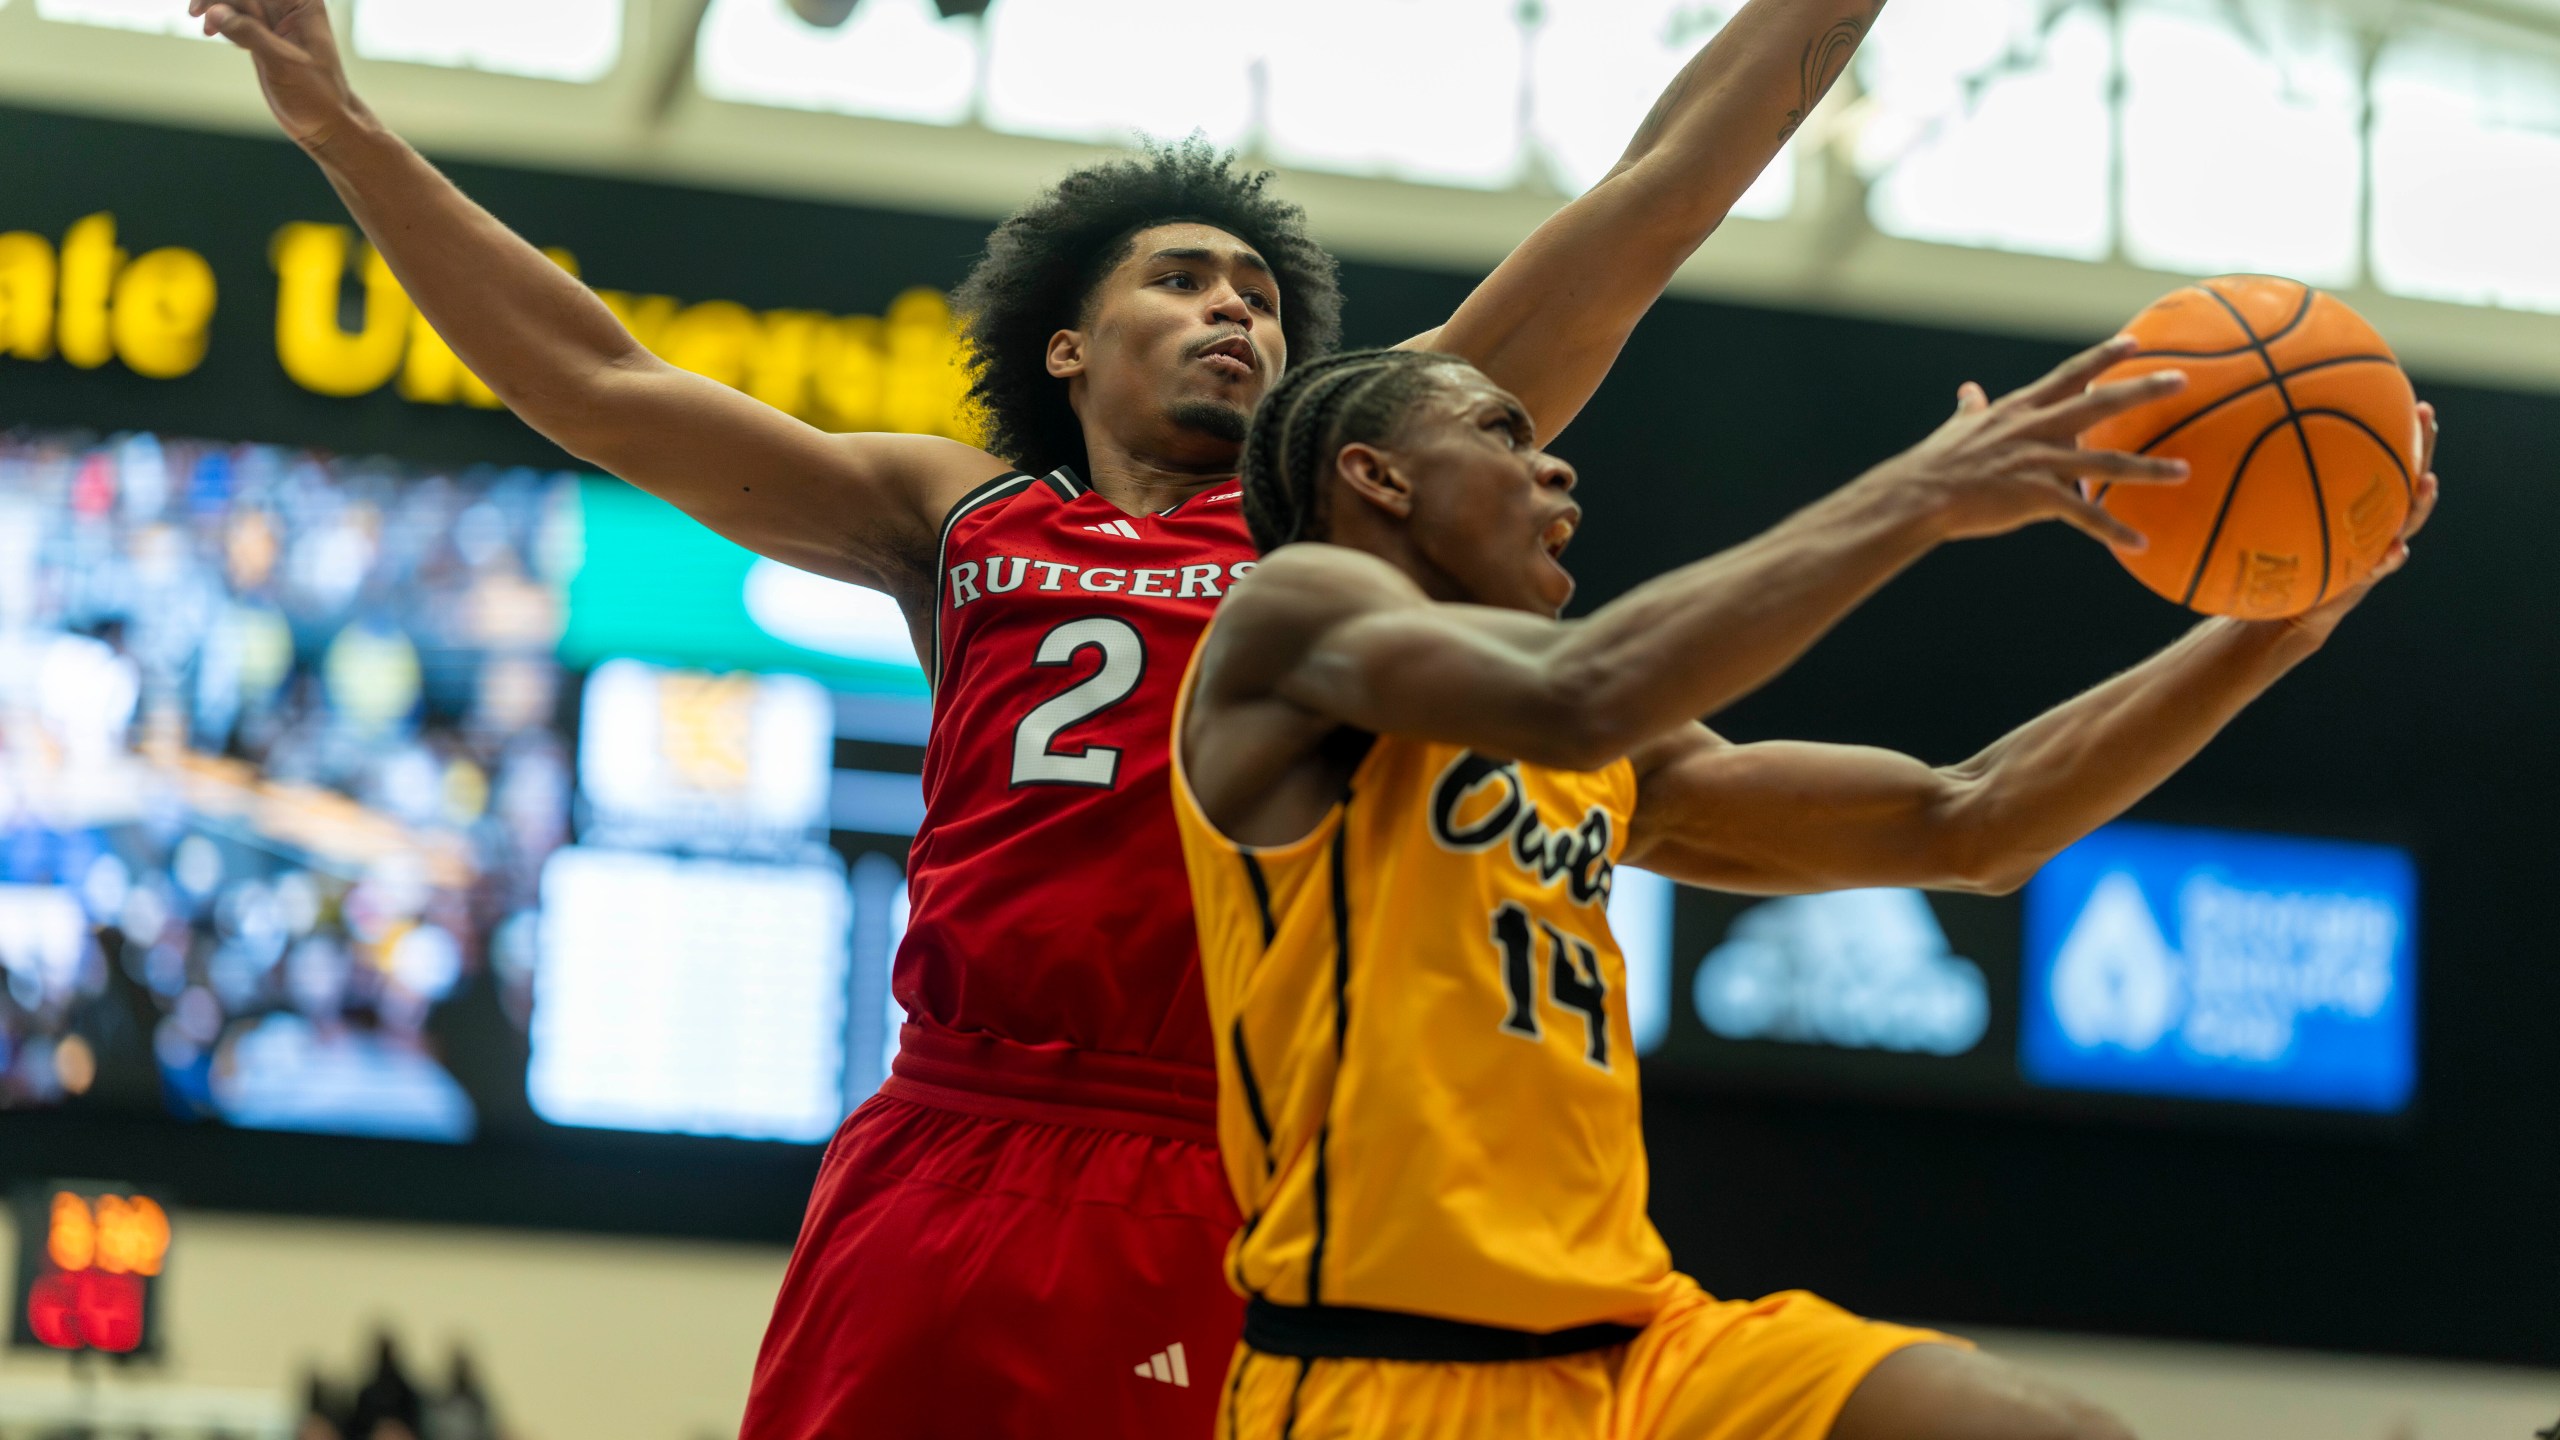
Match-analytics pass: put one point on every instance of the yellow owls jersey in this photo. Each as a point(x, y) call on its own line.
point(1427, 1084)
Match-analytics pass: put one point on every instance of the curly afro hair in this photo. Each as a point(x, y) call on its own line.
point(1041, 266)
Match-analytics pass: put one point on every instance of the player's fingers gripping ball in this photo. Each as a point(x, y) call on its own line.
point(2300, 433)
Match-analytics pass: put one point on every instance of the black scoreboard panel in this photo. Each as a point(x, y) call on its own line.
point(90, 1257)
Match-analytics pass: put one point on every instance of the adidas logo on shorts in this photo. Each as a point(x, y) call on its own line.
point(1166, 1365)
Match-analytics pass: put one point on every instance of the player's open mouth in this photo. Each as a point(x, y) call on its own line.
point(1233, 356)
point(1559, 534)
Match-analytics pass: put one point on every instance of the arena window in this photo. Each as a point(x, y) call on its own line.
point(2240, 148)
point(574, 40)
point(2067, 128)
point(1989, 127)
point(1462, 129)
point(146, 15)
point(2466, 171)
point(1134, 71)
point(1594, 70)
point(893, 60)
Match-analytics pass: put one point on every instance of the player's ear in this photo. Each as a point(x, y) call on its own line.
point(1066, 354)
point(1372, 475)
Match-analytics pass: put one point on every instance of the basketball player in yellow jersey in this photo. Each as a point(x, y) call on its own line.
point(1403, 785)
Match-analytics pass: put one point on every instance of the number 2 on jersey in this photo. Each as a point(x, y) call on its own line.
point(1037, 760)
point(1574, 980)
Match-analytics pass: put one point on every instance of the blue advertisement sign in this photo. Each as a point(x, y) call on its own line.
point(2215, 965)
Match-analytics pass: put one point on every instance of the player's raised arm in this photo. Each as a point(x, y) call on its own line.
point(1549, 322)
point(1787, 817)
point(1347, 634)
point(860, 508)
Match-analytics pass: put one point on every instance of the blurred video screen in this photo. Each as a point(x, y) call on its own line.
point(2217, 965)
point(2147, 963)
point(348, 797)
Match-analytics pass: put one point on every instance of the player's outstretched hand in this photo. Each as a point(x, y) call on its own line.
point(2000, 465)
point(2323, 618)
point(297, 57)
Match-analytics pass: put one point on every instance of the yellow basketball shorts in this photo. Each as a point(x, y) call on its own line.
point(1777, 1368)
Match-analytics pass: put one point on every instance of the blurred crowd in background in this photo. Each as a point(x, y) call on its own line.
point(281, 757)
point(389, 1404)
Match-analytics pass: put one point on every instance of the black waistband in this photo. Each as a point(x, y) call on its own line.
point(1338, 1332)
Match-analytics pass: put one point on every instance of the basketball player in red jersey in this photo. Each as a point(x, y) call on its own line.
point(1022, 1233)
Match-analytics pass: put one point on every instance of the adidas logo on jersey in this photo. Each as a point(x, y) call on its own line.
point(1166, 1365)
point(1116, 527)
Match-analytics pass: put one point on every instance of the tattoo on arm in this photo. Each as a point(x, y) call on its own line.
point(1826, 56)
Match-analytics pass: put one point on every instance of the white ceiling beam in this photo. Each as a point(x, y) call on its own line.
point(1821, 258)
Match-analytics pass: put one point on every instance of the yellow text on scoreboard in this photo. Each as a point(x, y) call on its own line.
point(344, 327)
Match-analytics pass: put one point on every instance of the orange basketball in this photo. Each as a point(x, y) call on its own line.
point(2300, 435)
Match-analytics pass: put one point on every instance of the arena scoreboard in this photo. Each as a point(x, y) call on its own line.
point(90, 1257)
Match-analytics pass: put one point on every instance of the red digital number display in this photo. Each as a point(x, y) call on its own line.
point(87, 1269)
point(86, 1310)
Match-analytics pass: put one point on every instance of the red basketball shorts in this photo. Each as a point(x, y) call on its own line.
point(977, 1265)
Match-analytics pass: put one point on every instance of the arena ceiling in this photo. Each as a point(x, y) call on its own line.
point(1872, 215)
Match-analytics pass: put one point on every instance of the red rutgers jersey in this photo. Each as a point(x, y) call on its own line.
point(1020, 1234)
point(1049, 904)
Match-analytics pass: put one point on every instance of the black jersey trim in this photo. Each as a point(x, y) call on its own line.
point(1341, 933)
point(1289, 1425)
point(1008, 483)
point(1235, 1383)
point(1235, 1257)
point(1315, 1256)
point(1252, 1095)
point(1066, 482)
point(1261, 894)
point(1252, 1087)
point(1341, 1035)
point(1342, 1332)
point(974, 499)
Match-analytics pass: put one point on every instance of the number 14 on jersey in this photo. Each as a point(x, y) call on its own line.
point(1574, 981)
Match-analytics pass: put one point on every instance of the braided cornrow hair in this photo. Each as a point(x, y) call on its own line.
point(1302, 425)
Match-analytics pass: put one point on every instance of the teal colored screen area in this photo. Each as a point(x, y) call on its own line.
point(654, 585)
